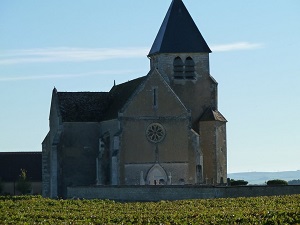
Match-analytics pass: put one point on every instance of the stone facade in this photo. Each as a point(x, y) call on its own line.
point(160, 129)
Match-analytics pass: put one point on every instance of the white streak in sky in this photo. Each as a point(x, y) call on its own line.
point(65, 54)
point(236, 46)
point(55, 76)
point(48, 55)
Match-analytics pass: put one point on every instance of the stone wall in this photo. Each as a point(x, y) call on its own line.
point(157, 193)
point(196, 94)
point(77, 155)
point(11, 188)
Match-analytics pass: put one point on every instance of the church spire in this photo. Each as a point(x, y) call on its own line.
point(178, 33)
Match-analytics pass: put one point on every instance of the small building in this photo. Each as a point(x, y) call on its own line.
point(11, 164)
point(163, 128)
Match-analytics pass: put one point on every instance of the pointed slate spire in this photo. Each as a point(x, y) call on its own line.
point(178, 33)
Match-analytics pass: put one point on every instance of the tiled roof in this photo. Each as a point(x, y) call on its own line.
point(212, 115)
point(11, 164)
point(82, 106)
point(95, 106)
point(178, 33)
point(119, 95)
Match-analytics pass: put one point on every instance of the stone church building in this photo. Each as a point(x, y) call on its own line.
point(160, 129)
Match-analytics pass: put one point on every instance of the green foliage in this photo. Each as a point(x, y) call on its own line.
point(276, 182)
point(294, 182)
point(258, 210)
point(238, 182)
point(23, 184)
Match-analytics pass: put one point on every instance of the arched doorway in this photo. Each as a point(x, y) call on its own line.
point(157, 175)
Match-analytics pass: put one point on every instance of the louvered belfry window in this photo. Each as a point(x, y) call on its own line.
point(184, 70)
point(189, 68)
point(178, 68)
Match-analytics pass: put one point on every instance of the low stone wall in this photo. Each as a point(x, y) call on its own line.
point(157, 193)
point(10, 188)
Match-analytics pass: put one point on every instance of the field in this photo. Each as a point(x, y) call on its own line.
point(259, 210)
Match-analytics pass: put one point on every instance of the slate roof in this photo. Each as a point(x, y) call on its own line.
point(95, 106)
point(212, 115)
point(82, 106)
point(178, 33)
point(11, 164)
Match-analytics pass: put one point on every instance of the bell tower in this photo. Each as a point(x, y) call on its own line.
point(181, 55)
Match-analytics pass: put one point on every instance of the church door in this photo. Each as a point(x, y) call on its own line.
point(157, 175)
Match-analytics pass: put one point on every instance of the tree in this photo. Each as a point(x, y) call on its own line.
point(294, 182)
point(238, 182)
point(276, 182)
point(23, 184)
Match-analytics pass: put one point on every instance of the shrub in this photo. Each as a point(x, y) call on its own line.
point(276, 182)
point(238, 182)
point(294, 182)
point(23, 184)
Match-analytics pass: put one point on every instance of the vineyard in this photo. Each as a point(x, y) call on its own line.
point(258, 210)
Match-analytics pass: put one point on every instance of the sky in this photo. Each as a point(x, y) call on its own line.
point(87, 45)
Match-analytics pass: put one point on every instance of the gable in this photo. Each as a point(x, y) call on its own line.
point(212, 115)
point(54, 107)
point(119, 95)
point(154, 97)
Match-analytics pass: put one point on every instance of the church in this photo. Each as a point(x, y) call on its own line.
point(163, 128)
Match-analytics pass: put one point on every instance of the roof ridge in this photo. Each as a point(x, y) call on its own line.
point(82, 92)
point(126, 82)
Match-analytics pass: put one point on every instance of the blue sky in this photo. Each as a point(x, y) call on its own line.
point(86, 45)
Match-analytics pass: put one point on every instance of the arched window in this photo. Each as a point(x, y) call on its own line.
point(178, 68)
point(189, 68)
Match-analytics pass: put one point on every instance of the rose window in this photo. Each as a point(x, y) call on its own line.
point(155, 132)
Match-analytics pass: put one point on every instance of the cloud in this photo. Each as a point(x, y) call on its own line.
point(48, 55)
point(65, 54)
point(236, 46)
point(71, 75)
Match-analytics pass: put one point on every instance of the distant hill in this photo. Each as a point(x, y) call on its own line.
point(262, 177)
